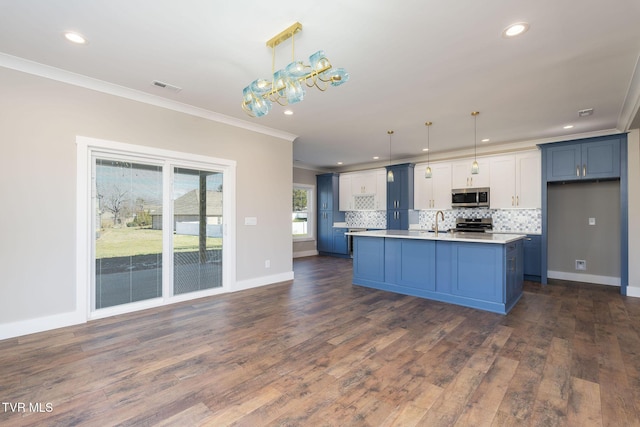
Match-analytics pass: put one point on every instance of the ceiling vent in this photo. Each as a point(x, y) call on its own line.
point(164, 85)
point(586, 112)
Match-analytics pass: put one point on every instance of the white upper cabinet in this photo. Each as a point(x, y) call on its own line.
point(515, 181)
point(463, 178)
point(345, 201)
point(434, 192)
point(529, 180)
point(381, 189)
point(363, 183)
point(365, 190)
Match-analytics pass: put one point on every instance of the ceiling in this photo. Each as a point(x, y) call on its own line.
point(410, 62)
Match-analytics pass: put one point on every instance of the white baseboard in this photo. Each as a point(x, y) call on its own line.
point(40, 324)
point(587, 278)
point(262, 281)
point(633, 291)
point(301, 254)
point(47, 323)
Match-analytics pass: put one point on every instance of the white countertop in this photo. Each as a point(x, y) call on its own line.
point(499, 238)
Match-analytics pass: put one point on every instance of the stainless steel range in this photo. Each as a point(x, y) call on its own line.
point(474, 225)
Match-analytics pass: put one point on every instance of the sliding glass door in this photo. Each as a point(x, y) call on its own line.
point(128, 242)
point(158, 230)
point(197, 236)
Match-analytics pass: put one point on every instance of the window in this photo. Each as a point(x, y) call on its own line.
point(302, 212)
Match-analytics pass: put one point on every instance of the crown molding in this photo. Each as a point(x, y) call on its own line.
point(60, 75)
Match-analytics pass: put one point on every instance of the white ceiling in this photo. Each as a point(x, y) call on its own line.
point(410, 61)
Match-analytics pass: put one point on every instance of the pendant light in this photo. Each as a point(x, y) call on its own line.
point(427, 172)
point(390, 176)
point(475, 169)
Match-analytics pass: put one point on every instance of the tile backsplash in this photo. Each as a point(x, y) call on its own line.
point(520, 220)
point(366, 219)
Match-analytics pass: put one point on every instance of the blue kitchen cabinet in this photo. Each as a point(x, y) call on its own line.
point(514, 274)
point(398, 219)
point(411, 263)
point(325, 231)
point(595, 158)
point(368, 265)
point(532, 249)
point(477, 271)
point(327, 188)
point(400, 196)
point(340, 245)
point(472, 274)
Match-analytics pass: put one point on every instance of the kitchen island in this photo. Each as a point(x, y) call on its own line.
point(478, 270)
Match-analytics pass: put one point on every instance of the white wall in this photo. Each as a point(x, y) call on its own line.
point(633, 140)
point(39, 122)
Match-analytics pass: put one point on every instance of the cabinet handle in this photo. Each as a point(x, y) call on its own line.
point(517, 200)
point(584, 170)
point(512, 201)
point(577, 170)
point(472, 181)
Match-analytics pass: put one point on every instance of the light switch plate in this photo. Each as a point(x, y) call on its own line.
point(250, 220)
point(592, 221)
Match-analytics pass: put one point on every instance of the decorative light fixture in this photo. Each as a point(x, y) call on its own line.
point(475, 169)
point(427, 173)
point(390, 177)
point(287, 85)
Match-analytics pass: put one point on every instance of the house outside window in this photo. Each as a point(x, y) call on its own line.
point(302, 212)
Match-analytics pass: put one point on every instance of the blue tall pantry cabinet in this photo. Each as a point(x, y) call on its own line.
point(400, 196)
point(330, 240)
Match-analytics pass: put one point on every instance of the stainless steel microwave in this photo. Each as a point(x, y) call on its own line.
point(470, 198)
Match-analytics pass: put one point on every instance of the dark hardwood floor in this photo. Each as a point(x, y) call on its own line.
point(319, 351)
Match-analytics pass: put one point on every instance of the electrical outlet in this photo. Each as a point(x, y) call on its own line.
point(592, 221)
point(267, 264)
point(581, 264)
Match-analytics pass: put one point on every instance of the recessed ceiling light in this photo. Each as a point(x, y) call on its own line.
point(288, 112)
point(568, 127)
point(515, 29)
point(425, 149)
point(485, 140)
point(339, 163)
point(75, 37)
point(376, 157)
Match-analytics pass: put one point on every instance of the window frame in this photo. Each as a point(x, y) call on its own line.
point(311, 228)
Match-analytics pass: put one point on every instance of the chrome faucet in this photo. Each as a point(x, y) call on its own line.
point(441, 216)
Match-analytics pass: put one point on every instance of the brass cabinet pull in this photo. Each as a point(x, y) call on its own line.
point(512, 201)
point(584, 170)
point(577, 170)
point(517, 200)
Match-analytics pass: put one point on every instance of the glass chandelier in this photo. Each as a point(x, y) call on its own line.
point(288, 84)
